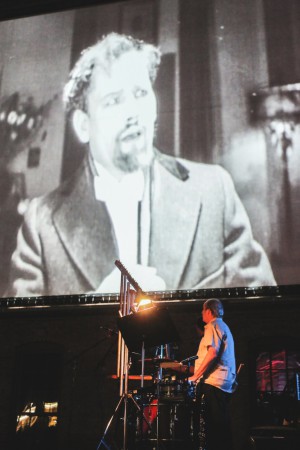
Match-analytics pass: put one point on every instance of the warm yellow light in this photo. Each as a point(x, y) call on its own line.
point(52, 421)
point(27, 419)
point(144, 302)
point(50, 407)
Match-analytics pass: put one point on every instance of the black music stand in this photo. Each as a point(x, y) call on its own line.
point(149, 327)
point(145, 329)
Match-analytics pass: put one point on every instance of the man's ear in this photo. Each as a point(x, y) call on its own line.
point(81, 125)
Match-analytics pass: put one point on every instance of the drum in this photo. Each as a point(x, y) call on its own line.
point(175, 421)
point(173, 390)
point(144, 396)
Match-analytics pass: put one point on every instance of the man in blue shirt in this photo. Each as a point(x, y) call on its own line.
point(215, 373)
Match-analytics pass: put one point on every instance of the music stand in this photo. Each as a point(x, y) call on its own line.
point(145, 329)
point(149, 327)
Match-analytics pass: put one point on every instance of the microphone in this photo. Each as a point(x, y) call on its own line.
point(188, 360)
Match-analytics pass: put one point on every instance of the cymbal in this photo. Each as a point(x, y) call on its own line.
point(156, 360)
point(175, 366)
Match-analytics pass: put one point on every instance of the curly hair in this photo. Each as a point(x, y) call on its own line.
point(215, 306)
point(103, 54)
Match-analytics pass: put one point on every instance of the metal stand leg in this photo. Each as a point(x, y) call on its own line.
point(102, 442)
point(124, 399)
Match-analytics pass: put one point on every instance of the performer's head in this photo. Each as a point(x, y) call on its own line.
point(212, 309)
point(113, 105)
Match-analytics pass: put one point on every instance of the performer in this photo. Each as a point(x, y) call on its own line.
point(215, 374)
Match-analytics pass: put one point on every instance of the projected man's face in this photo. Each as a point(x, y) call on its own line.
point(121, 115)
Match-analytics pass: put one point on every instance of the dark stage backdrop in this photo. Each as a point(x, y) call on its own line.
point(216, 57)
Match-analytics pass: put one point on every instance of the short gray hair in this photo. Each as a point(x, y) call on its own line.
point(103, 54)
point(215, 306)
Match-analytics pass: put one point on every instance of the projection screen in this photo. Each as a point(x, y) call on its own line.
point(212, 200)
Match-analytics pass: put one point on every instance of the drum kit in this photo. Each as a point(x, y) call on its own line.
point(160, 415)
point(166, 412)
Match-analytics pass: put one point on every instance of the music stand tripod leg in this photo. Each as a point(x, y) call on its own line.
point(102, 441)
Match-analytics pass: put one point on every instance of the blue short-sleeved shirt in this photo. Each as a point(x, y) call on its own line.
point(223, 375)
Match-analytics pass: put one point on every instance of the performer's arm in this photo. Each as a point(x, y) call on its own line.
point(209, 359)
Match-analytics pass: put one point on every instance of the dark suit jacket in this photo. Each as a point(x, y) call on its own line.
point(200, 235)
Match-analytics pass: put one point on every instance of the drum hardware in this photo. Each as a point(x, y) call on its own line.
point(144, 396)
point(172, 390)
point(191, 391)
point(173, 399)
point(174, 423)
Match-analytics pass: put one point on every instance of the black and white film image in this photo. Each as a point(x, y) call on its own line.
point(161, 133)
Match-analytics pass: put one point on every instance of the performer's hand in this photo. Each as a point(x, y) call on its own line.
point(145, 276)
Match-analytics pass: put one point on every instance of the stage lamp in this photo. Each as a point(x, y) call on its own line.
point(143, 303)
